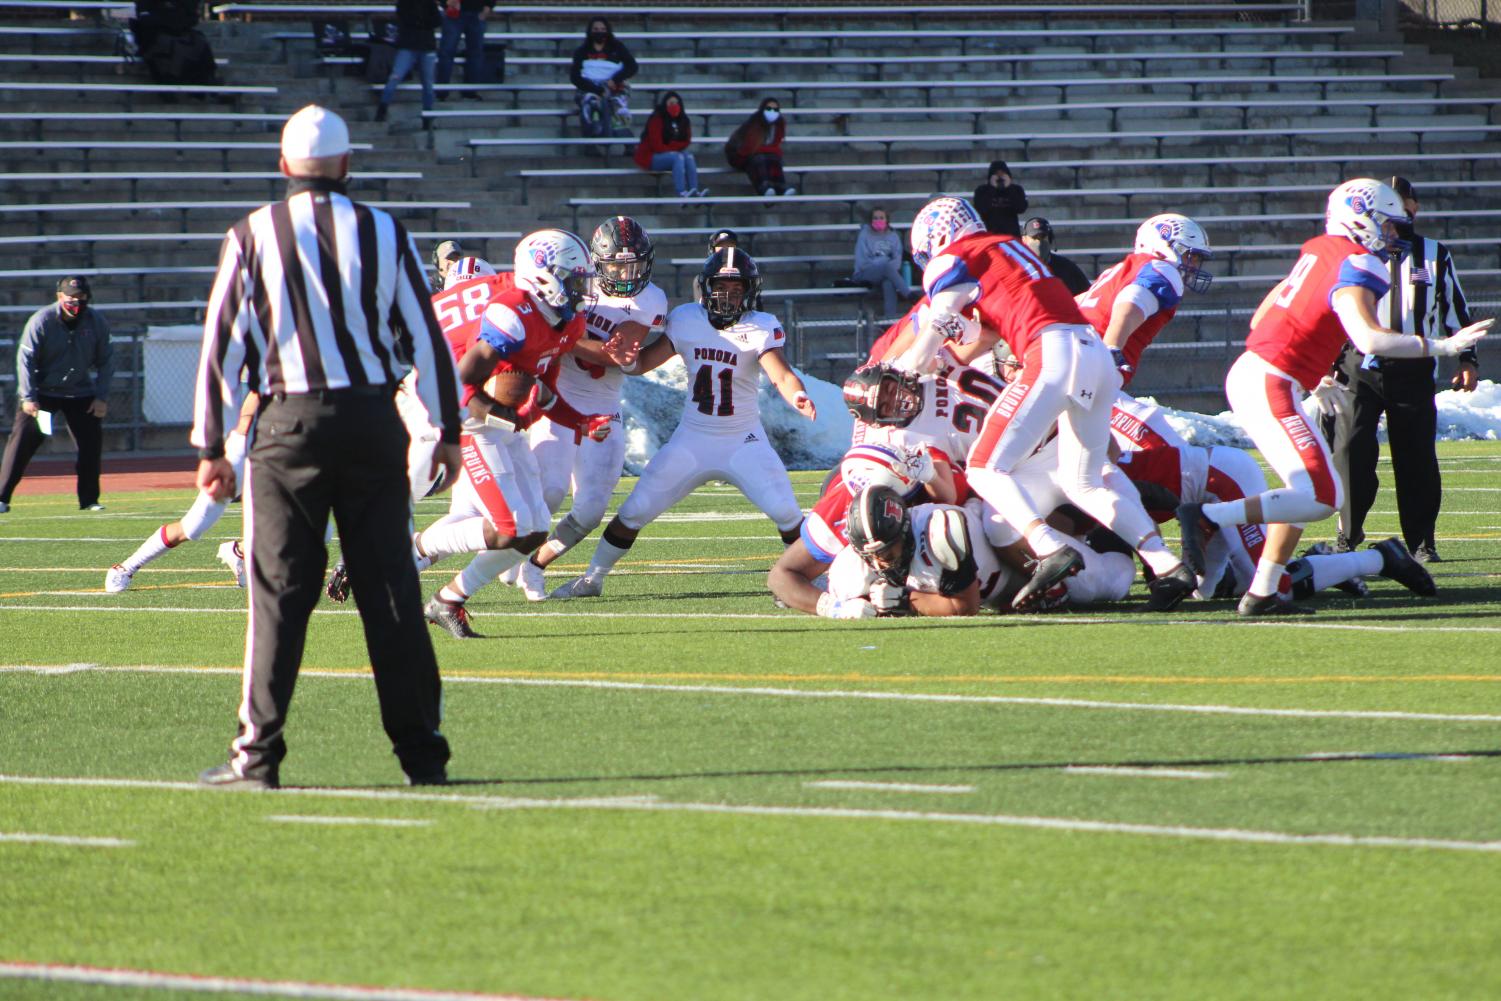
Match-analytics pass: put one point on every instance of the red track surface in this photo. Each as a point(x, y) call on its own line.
point(123, 474)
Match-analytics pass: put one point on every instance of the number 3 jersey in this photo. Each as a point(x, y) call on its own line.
point(724, 367)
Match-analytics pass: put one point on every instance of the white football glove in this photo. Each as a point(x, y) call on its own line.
point(830, 607)
point(886, 596)
point(1327, 398)
point(1460, 341)
point(960, 328)
point(920, 462)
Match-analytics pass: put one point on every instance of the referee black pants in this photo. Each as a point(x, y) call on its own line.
point(341, 452)
point(1403, 391)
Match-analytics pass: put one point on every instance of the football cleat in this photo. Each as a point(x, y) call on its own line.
point(1049, 571)
point(1191, 525)
point(532, 580)
point(337, 587)
point(117, 579)
point(1397, 565)
point(233, 557)
point(1167, 592)
point(581, 587)
point(452, 616)
point(1252, 605)
point(1426, 553)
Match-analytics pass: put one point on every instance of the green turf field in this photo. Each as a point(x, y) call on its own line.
point(678, 791)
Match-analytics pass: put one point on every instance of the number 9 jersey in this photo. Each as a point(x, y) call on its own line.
point(724, 367)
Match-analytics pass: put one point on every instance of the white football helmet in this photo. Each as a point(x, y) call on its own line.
point(467, 269)
point(938, 224)
point(879, 465)
point(557, 269)
point(1360, 209)
point(1173, 238)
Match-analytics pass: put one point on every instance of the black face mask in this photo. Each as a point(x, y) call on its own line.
point(599, 37)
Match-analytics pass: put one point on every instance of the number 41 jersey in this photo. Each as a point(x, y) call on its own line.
point(724, 367)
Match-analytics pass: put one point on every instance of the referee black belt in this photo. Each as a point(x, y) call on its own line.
point(334, 395)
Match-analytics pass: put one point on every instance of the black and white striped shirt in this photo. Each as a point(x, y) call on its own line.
point(319, 292)
point(1425, 297)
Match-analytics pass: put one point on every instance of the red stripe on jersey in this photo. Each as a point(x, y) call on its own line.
point(1304, 437)
point(482, 478)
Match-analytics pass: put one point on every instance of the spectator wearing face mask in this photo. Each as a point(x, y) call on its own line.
point(756, 148)
point(1038, 234)
point(878, 260)
point(63, 367)
point(601, 67)
point(1000, 201)
point(664, 145)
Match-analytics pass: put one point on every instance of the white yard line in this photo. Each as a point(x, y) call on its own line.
point(796, 693)
point(63, 839)
point(288, 818)
point(1149, 773)
point(153, 980)
point(890, 787)
point(820, 813)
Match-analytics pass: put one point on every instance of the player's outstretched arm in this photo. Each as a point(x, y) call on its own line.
point(652, 356)
point(774, 364)
point(1356, 308)
point(966, 602)
point(791, 578)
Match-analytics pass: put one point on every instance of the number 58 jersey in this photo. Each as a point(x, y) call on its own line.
point(724, 367)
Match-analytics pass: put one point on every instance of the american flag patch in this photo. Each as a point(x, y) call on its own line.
point(1421, 276)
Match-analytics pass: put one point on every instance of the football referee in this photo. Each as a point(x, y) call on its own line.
point(324, 303)
point(1425, 300)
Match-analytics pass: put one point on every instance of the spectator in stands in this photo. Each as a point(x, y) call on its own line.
point(63, 366)
point(601, 67)
point(467, 18)
point(878, 260)
point(416, 20)
point(445, 256)
point(664, 145)
point(1001, 201)
point(1038, 234)
point(756, 148)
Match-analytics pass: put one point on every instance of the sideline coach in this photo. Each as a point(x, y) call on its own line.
point(323, 302)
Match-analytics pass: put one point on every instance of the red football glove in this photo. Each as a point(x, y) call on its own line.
point(595, 427)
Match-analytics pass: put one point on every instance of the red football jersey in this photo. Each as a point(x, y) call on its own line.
point(1018, 294)
point(1157, 289)
point(1300, 333)
point(464, 303)
point(510, 323)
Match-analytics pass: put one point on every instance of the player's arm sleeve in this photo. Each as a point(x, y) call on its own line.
point(437, 381)
point(227, 327)
point(1355, 306)
point(1156, 287)
point(951, 289)
point(502, 329)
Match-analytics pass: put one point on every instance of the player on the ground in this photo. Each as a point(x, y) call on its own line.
point(1133, 300)
point(1296, 334)
point(628, 307)
point(200, 517)
point(726, 346)
point(987, 287)
point(510, 348)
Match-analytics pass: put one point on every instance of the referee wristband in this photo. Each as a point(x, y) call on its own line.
point(212, 452)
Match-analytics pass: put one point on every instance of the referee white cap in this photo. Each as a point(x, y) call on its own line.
point(314, 133)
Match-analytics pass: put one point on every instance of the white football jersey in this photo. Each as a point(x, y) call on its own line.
point(724, 367)
point(595, 389)
point(954, 402)
point(849, 577)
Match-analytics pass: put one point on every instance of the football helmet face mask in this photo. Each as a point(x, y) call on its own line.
point(729, 285)
point(1371, 214)
point(880, 394)
point(938, 224)
point(1182, 243)
point(880, 531)
point(467, 269)
point(555, 267)
point(623, 257)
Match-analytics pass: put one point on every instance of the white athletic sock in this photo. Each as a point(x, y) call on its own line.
point(1282, 506)
point(1268, 578)
point(484, 568)
point(1155, 554)
point(1337, 568)
point(606, 555)
point(1227, 513)
point(155, 545)
point(467, 536)
point(1045, 540)
point(422, 562)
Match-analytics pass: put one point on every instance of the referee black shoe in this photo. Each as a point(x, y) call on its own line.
point(1397, 565)
point(1049, 570)
point(452, 616)
point(1167, 592)
point(428, 777)
point(225, 777)
point(1253, 605)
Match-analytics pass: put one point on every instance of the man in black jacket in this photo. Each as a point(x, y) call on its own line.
point(601, 67)
point(1001, 201)
point(416, 20)
point(1038, 235)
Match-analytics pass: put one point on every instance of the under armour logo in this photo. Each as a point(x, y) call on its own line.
point(1086, 394)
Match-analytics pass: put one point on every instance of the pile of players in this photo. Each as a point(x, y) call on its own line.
point(996, 459)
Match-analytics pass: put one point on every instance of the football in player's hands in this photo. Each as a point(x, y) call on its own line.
point(509, 387)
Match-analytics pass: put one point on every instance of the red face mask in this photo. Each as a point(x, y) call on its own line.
point(73, 308)
point(673, 107)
